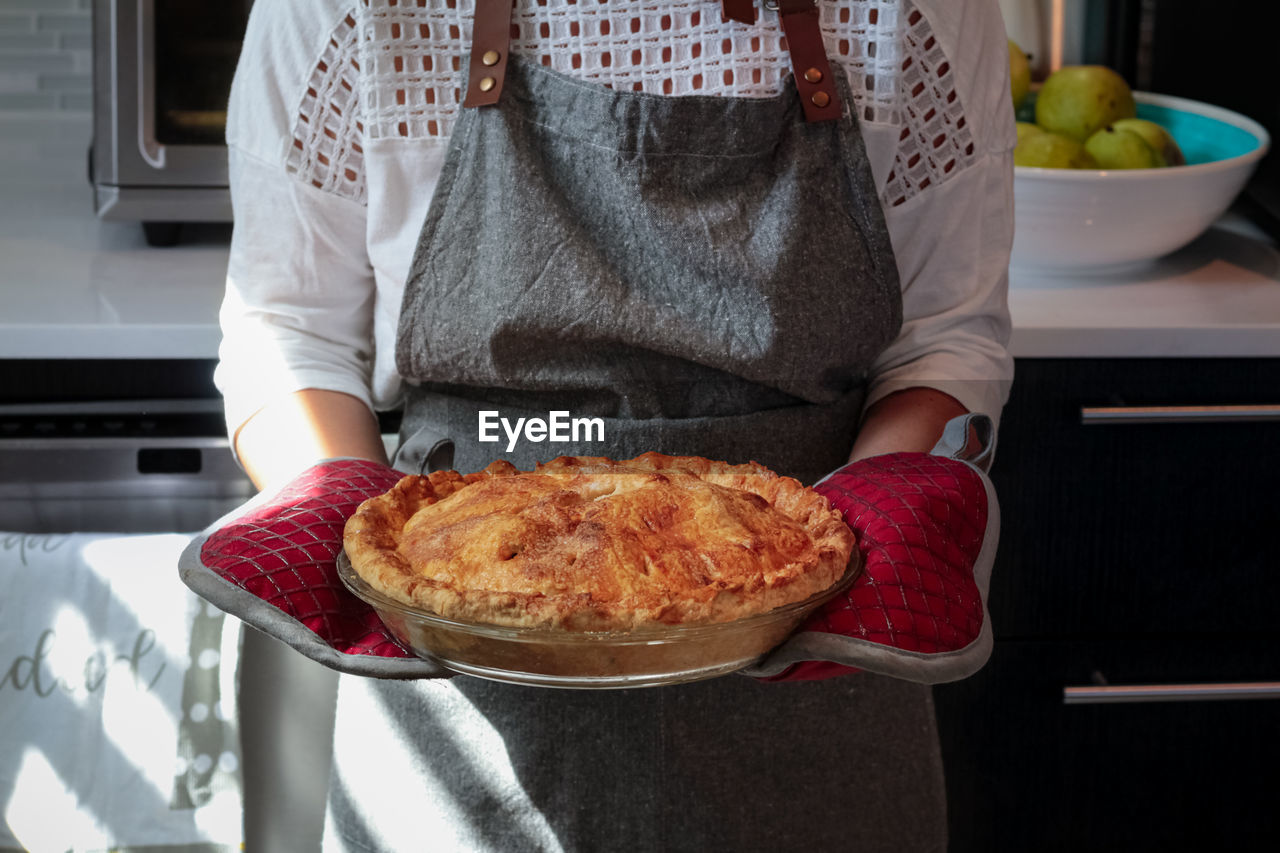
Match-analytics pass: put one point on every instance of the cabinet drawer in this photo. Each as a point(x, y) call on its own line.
point(1130, 526)
point(1027, 771)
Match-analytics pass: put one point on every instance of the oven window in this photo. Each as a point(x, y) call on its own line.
point(197, 44)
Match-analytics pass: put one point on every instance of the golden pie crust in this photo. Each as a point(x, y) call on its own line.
point(593, 544)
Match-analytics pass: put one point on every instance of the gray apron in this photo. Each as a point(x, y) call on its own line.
point(707, 276)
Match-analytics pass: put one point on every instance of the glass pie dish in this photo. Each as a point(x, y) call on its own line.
point(667, 654)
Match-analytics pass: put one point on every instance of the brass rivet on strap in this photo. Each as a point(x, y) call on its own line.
point(819, 99)
point(487, 83)
point(813, 75)
point(490, 57)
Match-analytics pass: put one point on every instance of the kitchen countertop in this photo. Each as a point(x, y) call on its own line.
point(72, 286)
point(1217, 297)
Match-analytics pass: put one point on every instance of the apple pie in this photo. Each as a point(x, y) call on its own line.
point(594, 544)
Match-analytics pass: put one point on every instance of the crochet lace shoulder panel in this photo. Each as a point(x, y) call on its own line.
point(328, 134)
point(393, 68)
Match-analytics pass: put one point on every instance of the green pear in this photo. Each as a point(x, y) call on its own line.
point(1047, 150)
point(1157, 137)
point(1116, 148)
point(1078, 100)
point(1019, 74)
point(1026, 128)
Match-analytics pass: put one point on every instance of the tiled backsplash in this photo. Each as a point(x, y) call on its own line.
point(45, 56)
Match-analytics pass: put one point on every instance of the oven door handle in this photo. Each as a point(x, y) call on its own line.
point(148, 147)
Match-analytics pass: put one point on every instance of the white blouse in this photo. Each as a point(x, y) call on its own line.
point(341, 112)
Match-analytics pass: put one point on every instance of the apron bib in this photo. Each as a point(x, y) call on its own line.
point(708, 276)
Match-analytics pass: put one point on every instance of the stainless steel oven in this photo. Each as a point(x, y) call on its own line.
point(162, 75)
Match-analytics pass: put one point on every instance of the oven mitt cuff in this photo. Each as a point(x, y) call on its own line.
point(271, 563)
point(927, 526)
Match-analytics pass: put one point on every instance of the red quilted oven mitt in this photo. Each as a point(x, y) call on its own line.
point(272, 564)
point(927, 527)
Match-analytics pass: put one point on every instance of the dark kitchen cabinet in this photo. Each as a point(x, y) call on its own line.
point(1132, 553)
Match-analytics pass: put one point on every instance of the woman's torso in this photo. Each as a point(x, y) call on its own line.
point(380, 100)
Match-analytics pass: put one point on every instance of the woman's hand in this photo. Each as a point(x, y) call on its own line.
point(290, 435)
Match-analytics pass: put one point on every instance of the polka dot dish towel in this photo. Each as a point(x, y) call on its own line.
point(118, 699)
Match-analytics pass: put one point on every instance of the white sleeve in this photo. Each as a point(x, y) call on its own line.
point(297, 312)
point(952, 240)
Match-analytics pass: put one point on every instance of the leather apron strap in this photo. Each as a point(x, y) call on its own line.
point(809, 60)
point(491, 44)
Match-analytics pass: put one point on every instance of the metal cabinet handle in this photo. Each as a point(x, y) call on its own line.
point(1108, 694)
point(1095, 415)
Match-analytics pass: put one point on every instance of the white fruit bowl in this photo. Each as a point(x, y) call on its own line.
point(1083, 220)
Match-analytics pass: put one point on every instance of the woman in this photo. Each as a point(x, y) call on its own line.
point(643, 227)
